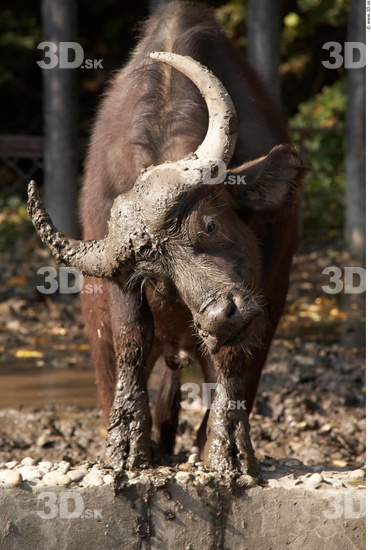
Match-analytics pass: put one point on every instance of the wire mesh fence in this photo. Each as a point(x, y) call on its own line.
point(21, 159)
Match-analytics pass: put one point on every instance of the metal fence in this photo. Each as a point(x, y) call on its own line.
point(21, 157)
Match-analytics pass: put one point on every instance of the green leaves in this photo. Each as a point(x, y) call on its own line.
point(323, 152)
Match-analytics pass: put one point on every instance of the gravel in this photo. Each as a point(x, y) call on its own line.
point(289, 474)
point(309, 409)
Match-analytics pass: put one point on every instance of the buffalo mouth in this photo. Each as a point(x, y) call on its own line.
point(249, 336)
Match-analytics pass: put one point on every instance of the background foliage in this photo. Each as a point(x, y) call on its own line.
point(312, 95)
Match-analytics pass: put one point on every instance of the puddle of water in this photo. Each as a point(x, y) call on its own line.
point(24, 384)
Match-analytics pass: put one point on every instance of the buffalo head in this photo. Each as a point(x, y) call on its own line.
point(173, 225)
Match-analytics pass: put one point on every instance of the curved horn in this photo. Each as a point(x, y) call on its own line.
point(92, 258)
point(220, 140)
point(110, 256)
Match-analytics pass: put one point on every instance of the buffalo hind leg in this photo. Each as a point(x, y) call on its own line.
point(96, 310)
point(228, 446)
point(166, 411)
point(129, 443)
point(208, 371)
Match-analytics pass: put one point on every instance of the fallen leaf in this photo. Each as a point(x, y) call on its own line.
point(83, 347)
point(27, 353)
point(16, 281)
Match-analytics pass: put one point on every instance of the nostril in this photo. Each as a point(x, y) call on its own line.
point(222, 312)
point(230, 310)
point(220, 318)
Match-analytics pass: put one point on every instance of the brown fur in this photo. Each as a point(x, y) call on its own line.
point(151, 113)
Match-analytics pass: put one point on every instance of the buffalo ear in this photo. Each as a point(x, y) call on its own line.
point(267, 184)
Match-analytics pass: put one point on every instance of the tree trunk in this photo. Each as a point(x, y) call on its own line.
point(60, 120)
point(263, 32)
point(355, 154)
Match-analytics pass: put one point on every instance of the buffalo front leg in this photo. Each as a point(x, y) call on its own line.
point(129, 444)
point(228, 446)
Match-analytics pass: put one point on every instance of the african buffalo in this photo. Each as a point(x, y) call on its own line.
point(195, 262)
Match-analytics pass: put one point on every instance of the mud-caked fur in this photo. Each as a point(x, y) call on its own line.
point(227, 259)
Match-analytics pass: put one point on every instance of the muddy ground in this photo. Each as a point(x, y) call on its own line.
point(311, 398)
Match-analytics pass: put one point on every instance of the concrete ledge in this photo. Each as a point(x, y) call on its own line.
point(179, 511)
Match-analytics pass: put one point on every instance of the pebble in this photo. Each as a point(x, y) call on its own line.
point(29, 473)
point(12, 464)
point(38, 474)
point(164, 470)
point(194, 458)
point(316, 478)
point(10, 477)
point(28, 461)
point(108, 478)
point(76, 475)
point(45, 466)
point(83, 468)
point(292, 462)
point(55, 478)
point(357, 475)
point(304, 361)
point(94, 480)
point(96, 469)
point(63, 467)
point(339, 463)
point(326, 428)
point(302, 425)
point(182, 477)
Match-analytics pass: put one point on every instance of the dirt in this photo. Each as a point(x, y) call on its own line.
point(311, 402)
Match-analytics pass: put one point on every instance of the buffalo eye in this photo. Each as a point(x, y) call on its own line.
point(211, 227)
